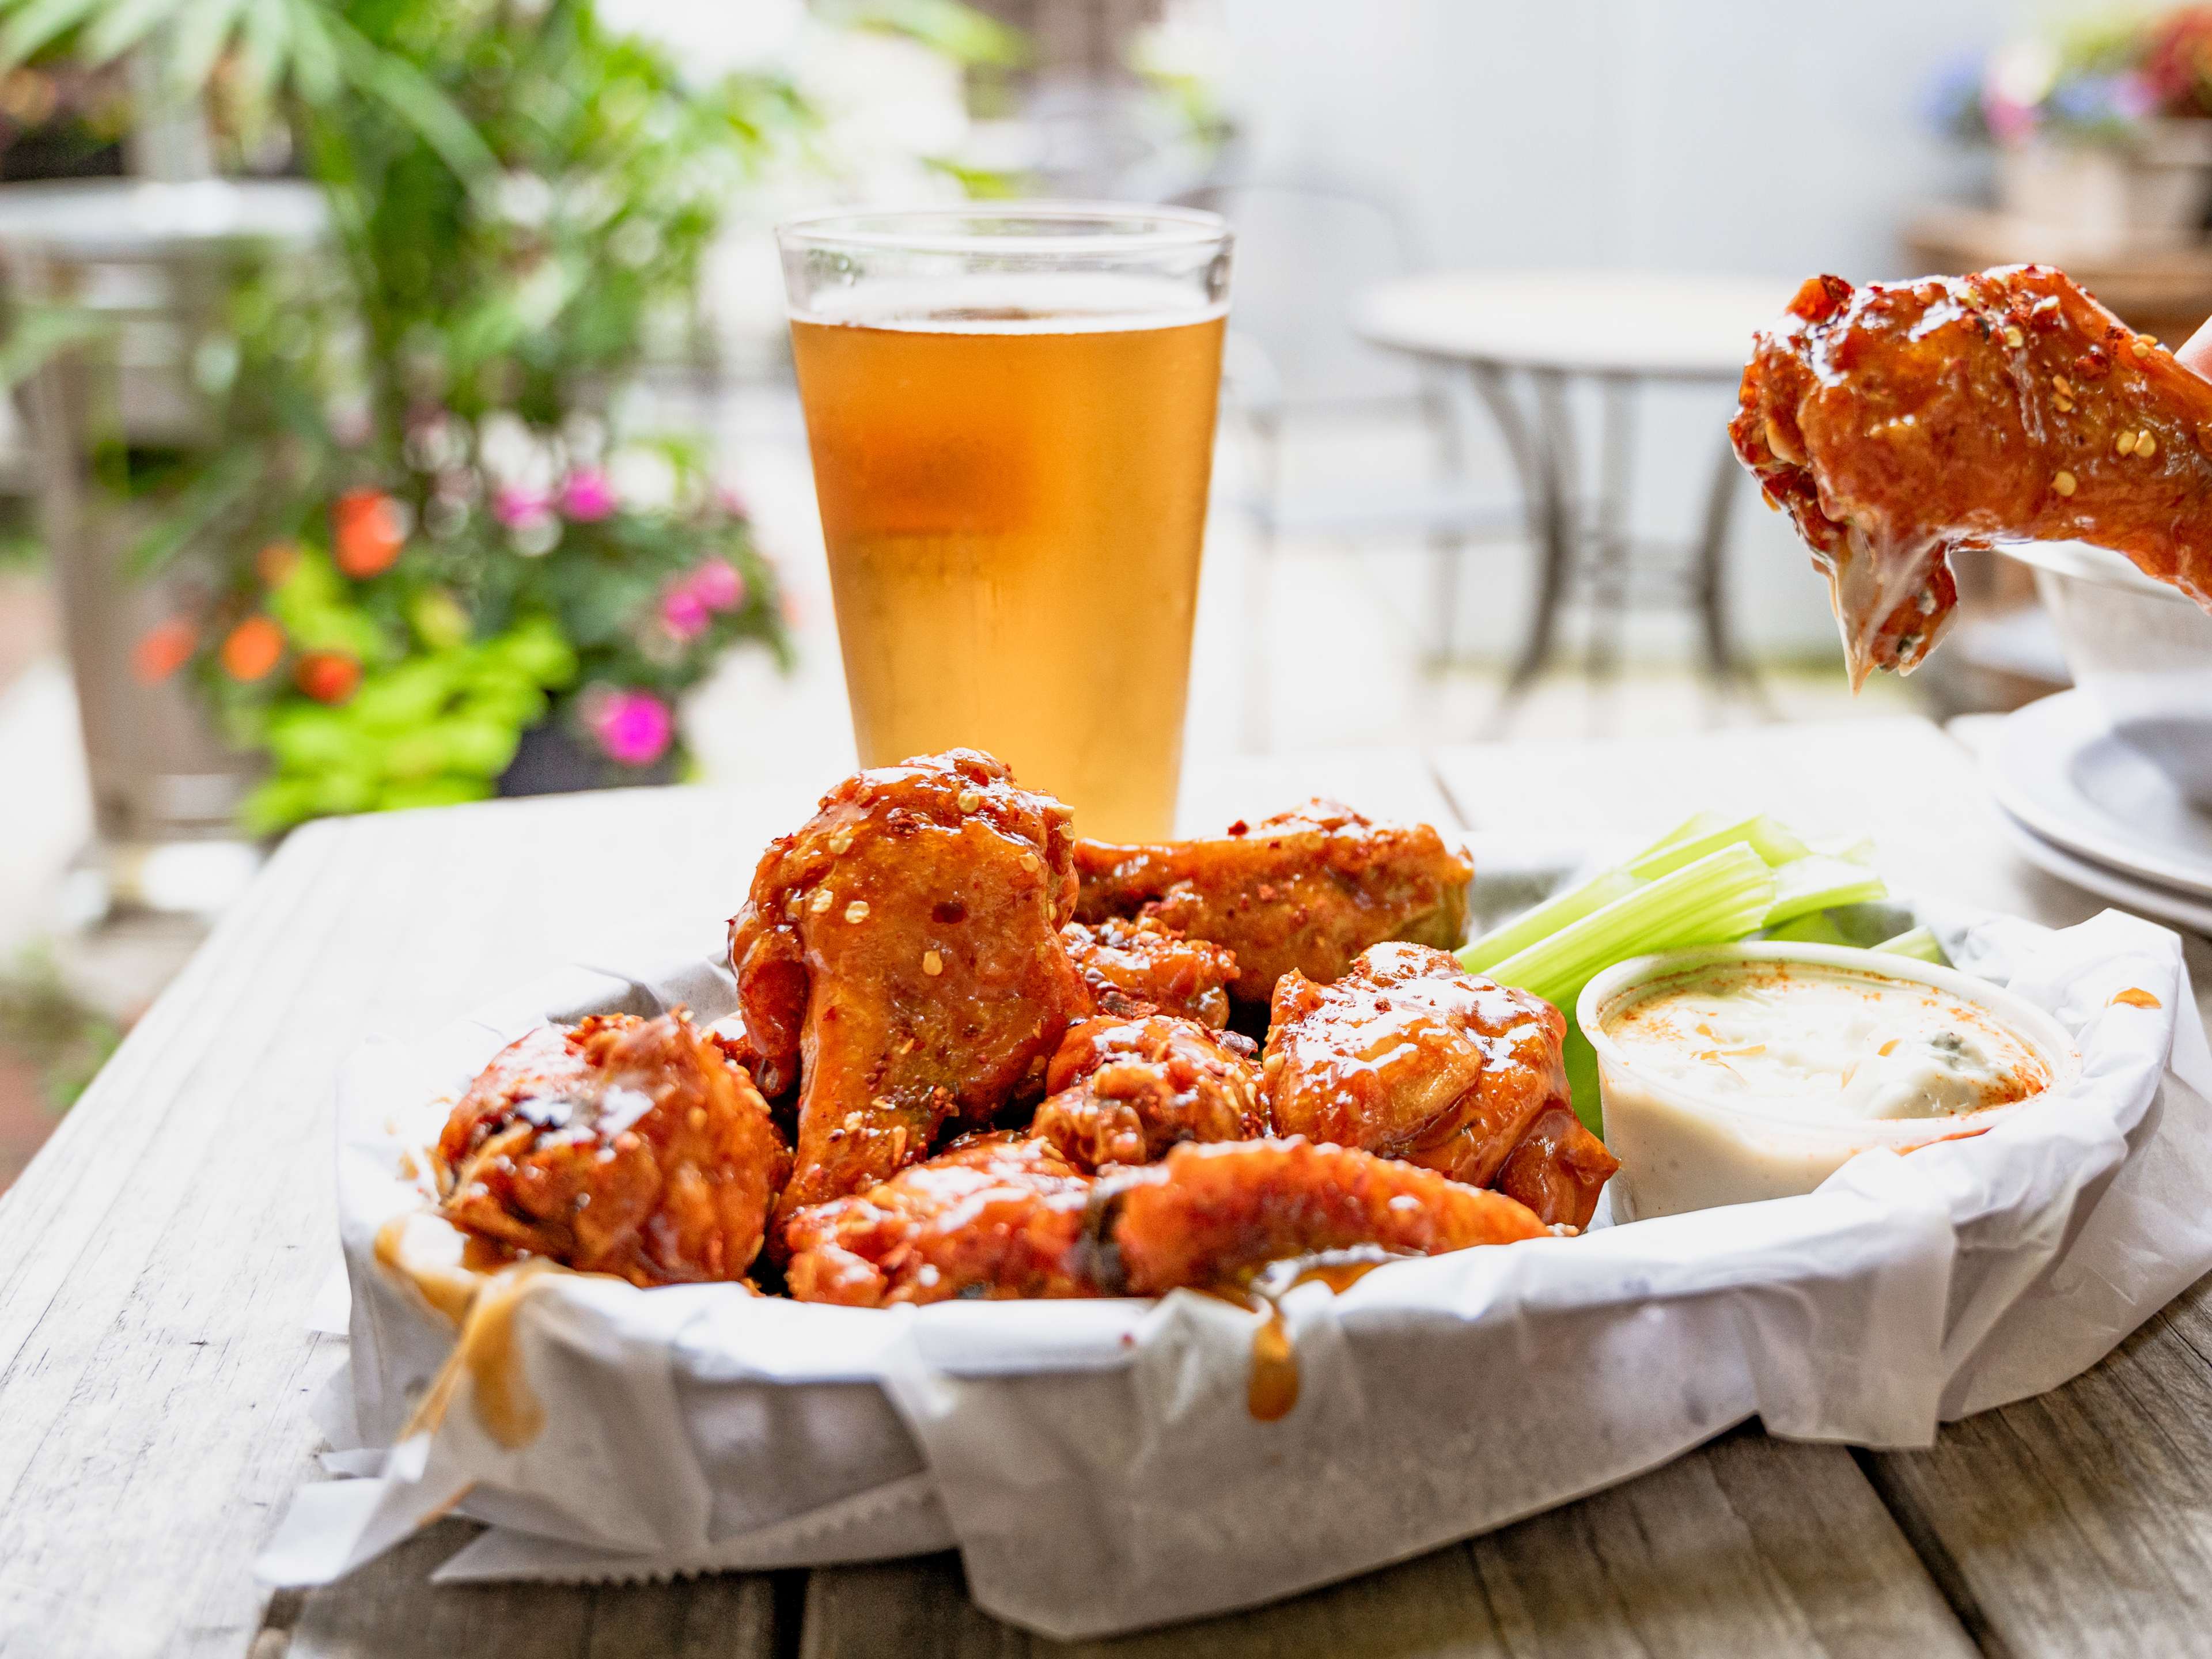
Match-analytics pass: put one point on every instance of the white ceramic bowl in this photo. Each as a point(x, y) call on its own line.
point(2141, 649)
point(1681, 1150)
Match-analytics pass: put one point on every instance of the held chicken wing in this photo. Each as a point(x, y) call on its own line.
point(1411, 1056)
point(1898, 422)
point(1144, 966)
point(900, 956)
point(999, 1215)
point(1217, 1215)
point(1124, 1090)
point(618, 1145)
point(1308, 890)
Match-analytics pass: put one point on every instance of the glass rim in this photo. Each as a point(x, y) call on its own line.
point(917, 229)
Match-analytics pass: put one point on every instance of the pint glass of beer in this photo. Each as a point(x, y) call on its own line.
point(1011, 411)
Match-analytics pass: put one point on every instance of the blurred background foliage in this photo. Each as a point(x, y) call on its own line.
point(420, 530)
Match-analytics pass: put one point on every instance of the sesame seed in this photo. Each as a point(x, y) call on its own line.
point(2014, 337)
point(2063, 406)
point(2124, 444)
point(2145, 445)
point(696, 1117)
point(2147, 342)
point(970, 800)
point(932, 964)
point(792, 900)
point(1030, 861)
point(857, 910)
point(2064, 483)
point(2061, 385)
point(823, 899)
point(841, 841)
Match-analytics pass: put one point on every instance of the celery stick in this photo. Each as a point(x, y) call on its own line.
point(1918, 944)
point(1722, 896)
point(1773, 841)
point(1547, 919)
point(1855, 849)
point(1816, 883)
point(1815, 928)
point(1689, 829)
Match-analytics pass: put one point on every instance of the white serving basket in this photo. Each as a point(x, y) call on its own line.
point(1096, 1462)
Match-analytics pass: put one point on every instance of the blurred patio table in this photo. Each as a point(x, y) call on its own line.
point(162, 1256)
point(1618, 331)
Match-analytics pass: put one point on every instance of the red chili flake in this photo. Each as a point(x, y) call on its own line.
point(1240, 828)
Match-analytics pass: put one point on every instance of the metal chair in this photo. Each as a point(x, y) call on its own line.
point(1304, 247)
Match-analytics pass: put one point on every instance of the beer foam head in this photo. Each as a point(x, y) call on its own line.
point(1010, 302)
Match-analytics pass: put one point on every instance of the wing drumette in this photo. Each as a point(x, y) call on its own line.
point(1144, 966)
point(618, 1145)
point(1124, 1090)
point(1411, 1056)
point(901, 956)
point(1306, 889)
point(993, 1216)
point(1898, 422)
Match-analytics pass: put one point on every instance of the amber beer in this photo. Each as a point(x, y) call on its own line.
point(1014, 508)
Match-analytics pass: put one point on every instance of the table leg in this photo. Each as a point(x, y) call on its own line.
point(1726, 669)
point(1546, 454)
point(1609, 586)
point(1449, 462)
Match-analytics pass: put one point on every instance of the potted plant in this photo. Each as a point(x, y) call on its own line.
point(2099, 129)
point(419, 526)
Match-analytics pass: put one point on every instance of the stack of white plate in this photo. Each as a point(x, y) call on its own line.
point(2081, 804)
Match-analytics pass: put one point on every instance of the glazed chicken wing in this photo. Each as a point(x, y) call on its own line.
point(618, 1145)
point(1306, 889)
point(1144, 966)
point(1000, 1216)
point(1411, 1056)
point(900, 956)
point(1898, 422)
point(993, 1216)
point(1124, 1090)
point(1216, 1215)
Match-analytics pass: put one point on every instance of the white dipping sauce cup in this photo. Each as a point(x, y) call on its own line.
point(1681, 1149)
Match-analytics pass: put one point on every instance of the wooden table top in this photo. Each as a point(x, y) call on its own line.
point(162, 1254)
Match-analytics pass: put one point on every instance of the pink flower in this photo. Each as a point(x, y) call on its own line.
point(683, 613)
point(731, 502)
point(587, 496)
point(633, 727)
point(717, 584)
point(519, 508)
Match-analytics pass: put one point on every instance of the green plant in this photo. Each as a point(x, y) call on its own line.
point(418, 530)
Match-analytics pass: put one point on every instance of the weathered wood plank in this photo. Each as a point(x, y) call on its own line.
point(2080, 1523)
point(391, 1612)
point(1751, 1545)
point(162, 1250)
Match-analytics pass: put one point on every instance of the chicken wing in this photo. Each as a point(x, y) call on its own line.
point(900, 956)
point(1306, 889)
point(1144, 966)
point(1216, 1215)
point(1898, 422)
point(618, 1145)
point(1124, 1090)
point(993, 1216)
point(1000, 1215)
point(1411, 1056)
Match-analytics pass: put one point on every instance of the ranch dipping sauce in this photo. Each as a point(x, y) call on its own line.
point(1755, 1072)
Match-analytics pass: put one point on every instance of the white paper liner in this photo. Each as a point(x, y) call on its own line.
point(1097, 1463)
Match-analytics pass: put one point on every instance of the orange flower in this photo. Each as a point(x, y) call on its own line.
point(274, 562)
point(327, 676)
point(163, 649)
point(252, 648)
point(369, 531)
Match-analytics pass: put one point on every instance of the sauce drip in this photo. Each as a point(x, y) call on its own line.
point(481, 1305)
point(1271, 1391)
point(2136, 997)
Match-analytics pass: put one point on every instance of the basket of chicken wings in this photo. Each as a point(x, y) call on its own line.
point(1167, 1227)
